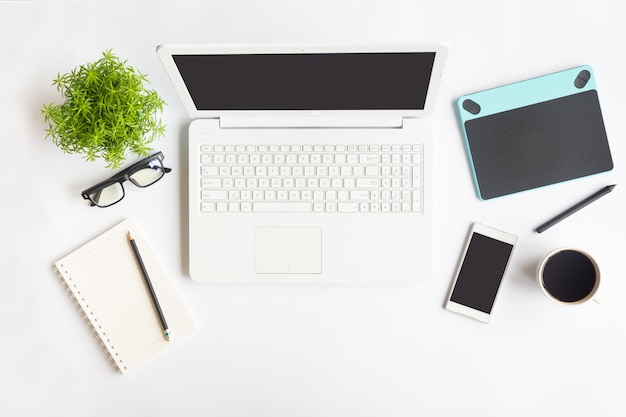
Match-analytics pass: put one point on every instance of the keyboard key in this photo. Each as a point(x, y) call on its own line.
point(211, 183)
point(348, 207)
point(367, 183)
point(371, 171)
point(359, 195)
point(417, 202)
point(209, 171)
point(369, 158)
point(214, 195)
point(285, 207)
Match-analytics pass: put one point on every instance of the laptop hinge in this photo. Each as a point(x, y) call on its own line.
point(310, 122)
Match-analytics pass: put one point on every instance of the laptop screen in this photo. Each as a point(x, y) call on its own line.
point(320, 81)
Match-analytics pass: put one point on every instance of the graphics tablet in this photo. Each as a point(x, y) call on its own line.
point(536, 132)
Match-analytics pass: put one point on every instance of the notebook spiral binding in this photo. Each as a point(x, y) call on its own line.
point(108, 350)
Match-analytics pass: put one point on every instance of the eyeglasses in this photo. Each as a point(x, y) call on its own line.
point(142, 174)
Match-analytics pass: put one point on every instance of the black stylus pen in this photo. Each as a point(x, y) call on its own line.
point(575, 208)
point(155, 300)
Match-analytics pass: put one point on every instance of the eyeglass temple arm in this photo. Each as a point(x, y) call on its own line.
point(97, 196)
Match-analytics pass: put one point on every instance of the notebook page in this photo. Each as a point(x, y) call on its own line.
point(105, 279)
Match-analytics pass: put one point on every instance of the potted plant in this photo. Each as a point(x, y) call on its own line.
point(108, 112)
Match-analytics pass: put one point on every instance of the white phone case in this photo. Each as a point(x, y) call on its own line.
point(480, 229)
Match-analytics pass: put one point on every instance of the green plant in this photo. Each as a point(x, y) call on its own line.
point(107, 112)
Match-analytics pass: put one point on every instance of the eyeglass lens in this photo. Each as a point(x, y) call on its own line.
point(149, 174)
point(108, 195)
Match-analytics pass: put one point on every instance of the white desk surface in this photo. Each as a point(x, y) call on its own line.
point(311, 350)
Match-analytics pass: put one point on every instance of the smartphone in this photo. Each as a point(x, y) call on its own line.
point(484, 262)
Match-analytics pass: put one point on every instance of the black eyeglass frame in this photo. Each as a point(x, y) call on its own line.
point(125, 175)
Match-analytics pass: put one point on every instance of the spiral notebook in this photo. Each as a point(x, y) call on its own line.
point(105, 280)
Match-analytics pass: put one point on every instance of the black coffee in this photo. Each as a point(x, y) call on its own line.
point(569, 276)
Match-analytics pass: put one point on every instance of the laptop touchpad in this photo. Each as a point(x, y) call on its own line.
point(288, 250)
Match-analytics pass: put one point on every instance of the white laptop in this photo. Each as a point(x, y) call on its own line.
point(309, 163)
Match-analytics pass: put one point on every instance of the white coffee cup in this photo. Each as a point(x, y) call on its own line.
point(569, 276)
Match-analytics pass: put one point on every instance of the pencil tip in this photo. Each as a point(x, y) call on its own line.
point(130, 237)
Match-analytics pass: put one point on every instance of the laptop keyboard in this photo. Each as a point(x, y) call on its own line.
point(311, 178)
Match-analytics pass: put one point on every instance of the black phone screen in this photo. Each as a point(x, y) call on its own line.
point(481, 272)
